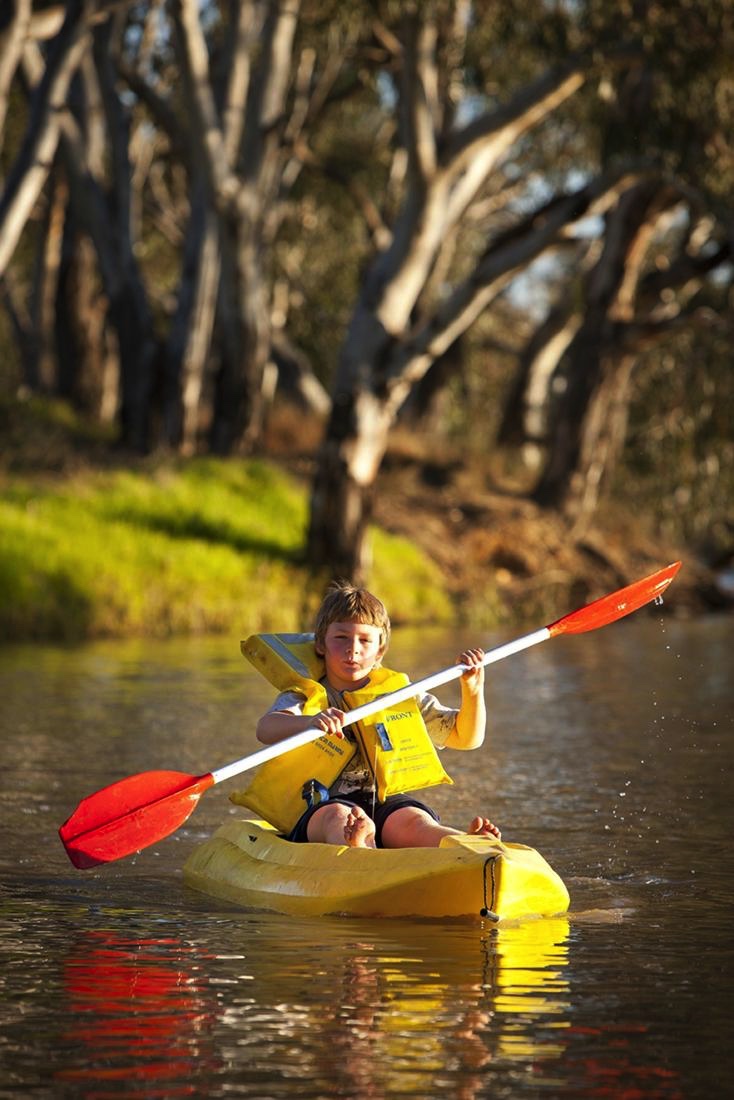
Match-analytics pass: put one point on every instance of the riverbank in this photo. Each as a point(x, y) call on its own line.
point(204, 546)
point(98, 545)
point(504, 559)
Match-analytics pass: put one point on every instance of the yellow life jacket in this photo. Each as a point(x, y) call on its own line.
point(394, 743)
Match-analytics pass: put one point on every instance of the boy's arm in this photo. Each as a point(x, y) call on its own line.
point(471, 720)
point(276, 725)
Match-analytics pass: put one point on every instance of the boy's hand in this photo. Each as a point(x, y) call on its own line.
point(329, 721)
point(473, 679)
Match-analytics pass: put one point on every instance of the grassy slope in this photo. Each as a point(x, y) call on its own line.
point(203, 546)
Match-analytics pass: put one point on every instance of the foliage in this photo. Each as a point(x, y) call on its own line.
point(678, 464)
point(112, 276)
point(200, 547)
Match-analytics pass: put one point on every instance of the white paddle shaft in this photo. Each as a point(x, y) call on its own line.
point(270, 752)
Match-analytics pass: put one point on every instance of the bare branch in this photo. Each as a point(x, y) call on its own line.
point(501, 261)
point(429, 213)
point(419, 97)
point(246, 31)
point(11, 49)
point(33, 163)
point(269, 89)
point(207, 128)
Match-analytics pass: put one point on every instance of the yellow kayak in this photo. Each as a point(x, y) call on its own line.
point(251, 864)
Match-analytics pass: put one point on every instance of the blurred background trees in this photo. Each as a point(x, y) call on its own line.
point(507, 225)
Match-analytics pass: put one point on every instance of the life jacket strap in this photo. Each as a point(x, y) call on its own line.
point(314, 793)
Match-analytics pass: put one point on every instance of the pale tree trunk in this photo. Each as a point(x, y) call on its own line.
point(523, 423)
point(200, 333)
point(646, 311)
point(239, 147)
point(525, 414)
point(384, 355)
point(189, 340)
point(86, 350)
point(343, 487)
point(591, 342)
point(12, 42)
point(99, 200)
point(32, 165)
point(130, 311)
point(605, 428)
point(22, 329)
point(572, 473)
point(48, 349)
point(362, 414)
point(244, 320)
point(45, 293)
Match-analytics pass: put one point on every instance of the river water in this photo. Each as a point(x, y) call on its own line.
point(612, 753)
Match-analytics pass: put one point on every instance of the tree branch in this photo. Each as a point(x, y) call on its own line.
point(207, 128)
point(35, 158)
point(508, 254)
point(11, 49)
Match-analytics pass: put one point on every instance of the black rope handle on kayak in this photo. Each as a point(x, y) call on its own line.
point(487, 909)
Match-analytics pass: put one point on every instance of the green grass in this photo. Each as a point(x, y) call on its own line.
point(200, 547)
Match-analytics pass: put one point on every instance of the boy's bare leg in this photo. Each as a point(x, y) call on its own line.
point(411, 827)
point(336, 823)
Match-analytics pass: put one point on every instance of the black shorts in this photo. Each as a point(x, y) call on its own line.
point(378, 811)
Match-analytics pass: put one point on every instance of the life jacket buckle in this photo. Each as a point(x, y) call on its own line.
point(384, 737)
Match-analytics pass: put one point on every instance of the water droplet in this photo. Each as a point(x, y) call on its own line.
point(659, 601)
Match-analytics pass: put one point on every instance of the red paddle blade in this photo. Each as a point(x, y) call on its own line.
point(617, 604)
point(130, 815)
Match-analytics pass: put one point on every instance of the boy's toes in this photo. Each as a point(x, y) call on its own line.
point(482, 826)
point(359, 831)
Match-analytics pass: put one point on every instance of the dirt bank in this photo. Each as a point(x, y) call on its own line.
point(533, 565)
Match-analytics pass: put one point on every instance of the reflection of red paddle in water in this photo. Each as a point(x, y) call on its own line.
point(142, 809)
point(138, 1007)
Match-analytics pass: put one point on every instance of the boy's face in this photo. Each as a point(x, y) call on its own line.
point(351, 651)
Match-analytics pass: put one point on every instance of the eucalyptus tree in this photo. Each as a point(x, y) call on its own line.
point(234, 134)
point(450, 150)
point(160, 144)
point(661, 258)
point(75, 149)
point(533, 113)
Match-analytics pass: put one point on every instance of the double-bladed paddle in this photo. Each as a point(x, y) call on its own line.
point(142, 809)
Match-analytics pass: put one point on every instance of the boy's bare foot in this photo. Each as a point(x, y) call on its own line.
point(482, 826)
point(359, 830)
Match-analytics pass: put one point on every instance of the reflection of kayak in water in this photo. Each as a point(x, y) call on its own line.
point(249, 863)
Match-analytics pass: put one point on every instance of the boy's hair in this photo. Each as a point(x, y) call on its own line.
point(345, 603)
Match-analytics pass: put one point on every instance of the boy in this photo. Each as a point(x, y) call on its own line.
point(351, 635)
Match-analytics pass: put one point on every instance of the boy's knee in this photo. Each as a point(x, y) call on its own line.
point(326, 818)
point(404, 826)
